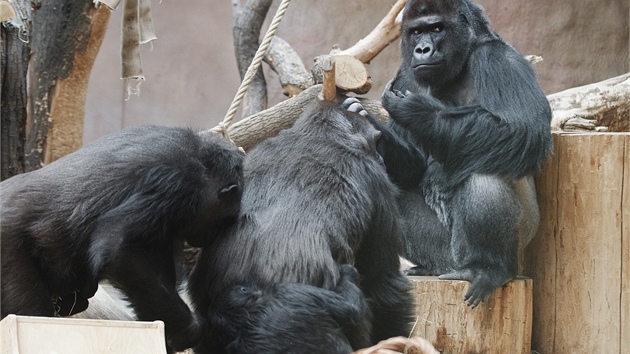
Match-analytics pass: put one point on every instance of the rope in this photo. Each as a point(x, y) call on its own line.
point(251, 70)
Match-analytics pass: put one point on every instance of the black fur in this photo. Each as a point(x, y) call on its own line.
point(315, 195)
point(117, 209)
point(472, 104)
point(293, 317)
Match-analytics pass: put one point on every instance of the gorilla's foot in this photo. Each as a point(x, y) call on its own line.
point(483, 282)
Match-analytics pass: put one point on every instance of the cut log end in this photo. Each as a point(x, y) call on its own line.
point(351, 75)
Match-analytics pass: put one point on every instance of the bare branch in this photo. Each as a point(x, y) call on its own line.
point(246, 32)
point(387, 31)
point(283, 59)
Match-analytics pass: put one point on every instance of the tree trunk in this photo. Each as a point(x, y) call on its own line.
point(248, 21)
point(63, 46)
point(14, 64)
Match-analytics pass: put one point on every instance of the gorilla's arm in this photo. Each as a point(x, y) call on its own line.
point(506, 133)
point(404, 162)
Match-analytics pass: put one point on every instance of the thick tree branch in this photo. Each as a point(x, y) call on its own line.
point(283, 59)
point(247, 24)
point(602, 106)
point(609, 103)
point(387, 31)
point(14, 56)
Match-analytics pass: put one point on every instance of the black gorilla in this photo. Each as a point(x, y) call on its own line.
point(117, 209)
point(471, 105)
point(293, 317)
point(315, 195)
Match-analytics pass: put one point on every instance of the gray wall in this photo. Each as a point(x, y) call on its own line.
point(191, 74)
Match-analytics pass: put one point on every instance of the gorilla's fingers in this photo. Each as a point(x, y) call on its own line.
point(352, 104)
point(349, 101)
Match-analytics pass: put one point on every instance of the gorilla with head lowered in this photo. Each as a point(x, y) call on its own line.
point(470, 104)
point(316, 196)
point(117, 209)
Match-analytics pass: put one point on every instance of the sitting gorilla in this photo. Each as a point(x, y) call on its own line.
point(316, 195)
point(469, 105)
point(292, 317)
point(117, 209)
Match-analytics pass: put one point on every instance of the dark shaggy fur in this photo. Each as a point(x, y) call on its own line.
point(293, 317)
point(117, 209)
point(471, 105)
point(316, 195)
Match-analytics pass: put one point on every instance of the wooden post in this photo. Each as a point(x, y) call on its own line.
point(329, 89)
point(501, 325)
point(579, 260)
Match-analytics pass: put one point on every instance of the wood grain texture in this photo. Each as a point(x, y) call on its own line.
point(579, 259)
point(502, 325)
point(31, 335)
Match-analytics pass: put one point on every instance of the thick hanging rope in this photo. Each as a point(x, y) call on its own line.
point(251, 70)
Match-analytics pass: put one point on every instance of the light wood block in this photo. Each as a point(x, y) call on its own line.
point(35, 335)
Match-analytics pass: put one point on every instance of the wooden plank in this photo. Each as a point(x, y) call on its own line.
point(588, 244)
point(31, 335)
point(502, 325)
point(540, 256)
point(8, 335)
point(625, 241)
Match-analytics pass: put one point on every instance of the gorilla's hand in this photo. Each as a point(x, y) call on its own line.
point(352, 104)
point(408, 107)
point(389, 89)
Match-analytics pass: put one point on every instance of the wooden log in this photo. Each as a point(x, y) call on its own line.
point(351, 75)
point(248, 132)
point(502, 325)
point(601, 106)
point(329, 90)
point(579, 259)
point(625, 251)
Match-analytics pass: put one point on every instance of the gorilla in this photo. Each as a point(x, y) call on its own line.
point(118, 209)
point(469, 104)
point(293, 317)
point(315, 195)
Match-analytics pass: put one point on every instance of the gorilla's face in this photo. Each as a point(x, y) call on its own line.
point(436, 41)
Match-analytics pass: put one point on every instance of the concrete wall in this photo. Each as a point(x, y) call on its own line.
point(191, 74)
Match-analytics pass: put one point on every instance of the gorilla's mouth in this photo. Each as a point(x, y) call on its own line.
point(427, 65)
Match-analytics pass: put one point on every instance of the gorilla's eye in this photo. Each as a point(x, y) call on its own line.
point(437, 28)
point(416, 31)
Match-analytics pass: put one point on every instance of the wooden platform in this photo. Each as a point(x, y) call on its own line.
point(502, 325)
point(580, 259)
